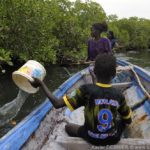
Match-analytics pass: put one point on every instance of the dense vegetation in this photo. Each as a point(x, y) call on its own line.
point(53, 30)
point(133, 33)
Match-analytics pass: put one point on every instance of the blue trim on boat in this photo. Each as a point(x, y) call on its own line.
point(140, 93)
point(140, 71)
point(15, 138)
point(147, 108)
point(143, 74)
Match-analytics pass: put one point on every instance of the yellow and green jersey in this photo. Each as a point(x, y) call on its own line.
point(102, 104)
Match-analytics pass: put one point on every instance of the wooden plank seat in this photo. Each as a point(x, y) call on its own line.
point(75, 143)
point(122, 84)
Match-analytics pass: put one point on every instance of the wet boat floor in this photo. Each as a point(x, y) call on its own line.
point(51, 134)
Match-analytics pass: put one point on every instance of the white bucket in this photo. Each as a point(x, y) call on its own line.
point(23, 75)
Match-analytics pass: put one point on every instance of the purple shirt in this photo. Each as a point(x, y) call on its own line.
point(101, 46)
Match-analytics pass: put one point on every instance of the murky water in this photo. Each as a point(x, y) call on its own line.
point(56, 75)
point(141, 59)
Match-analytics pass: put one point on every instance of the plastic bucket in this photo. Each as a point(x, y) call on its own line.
point(23, 75)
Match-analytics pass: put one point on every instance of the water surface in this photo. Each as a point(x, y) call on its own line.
point(56, 75)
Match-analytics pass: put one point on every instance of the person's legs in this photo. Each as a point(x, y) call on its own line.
point(75, 130)
point(121, 127)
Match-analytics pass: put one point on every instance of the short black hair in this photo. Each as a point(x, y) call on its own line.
point(112, 34)
point(105, 67)
point(101, 27)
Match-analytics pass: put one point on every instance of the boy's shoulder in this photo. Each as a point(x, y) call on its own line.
point(117, 92)
point(87, 87)
point(92, 87)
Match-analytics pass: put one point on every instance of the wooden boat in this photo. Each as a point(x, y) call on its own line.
point(44, 127)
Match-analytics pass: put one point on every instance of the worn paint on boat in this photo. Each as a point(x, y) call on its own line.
point(47, 123)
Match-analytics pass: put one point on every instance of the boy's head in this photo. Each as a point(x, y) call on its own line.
point(105, 67)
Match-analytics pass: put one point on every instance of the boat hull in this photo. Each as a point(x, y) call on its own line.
point(45, 118)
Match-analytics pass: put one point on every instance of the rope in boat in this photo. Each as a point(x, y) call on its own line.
point(147, 95)
point(141, 102)
point(139, 82)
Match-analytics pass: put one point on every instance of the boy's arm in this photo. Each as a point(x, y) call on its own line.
point(92, 75)
point(57, 102)
point(125, 111)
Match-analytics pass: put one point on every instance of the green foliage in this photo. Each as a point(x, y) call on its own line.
point(133, 33)
point(5, 57)
point(124, 37)
point(27, 29)
point(45, 30)
point(112, 18)
point(73, 27)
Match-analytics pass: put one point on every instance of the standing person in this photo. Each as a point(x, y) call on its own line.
point(102, 102)
point(112, 39)
point(97, 44)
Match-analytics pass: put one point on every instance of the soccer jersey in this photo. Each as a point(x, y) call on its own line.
point(102, 104)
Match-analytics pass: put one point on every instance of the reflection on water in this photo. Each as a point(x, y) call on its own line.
point(56, 75)
point(141, 59)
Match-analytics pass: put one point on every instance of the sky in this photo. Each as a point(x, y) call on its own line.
point(126, 8)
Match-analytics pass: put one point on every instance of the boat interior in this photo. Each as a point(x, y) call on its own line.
point(137, 134)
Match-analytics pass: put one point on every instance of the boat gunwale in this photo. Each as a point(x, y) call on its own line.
point(14, 140)
point(140, 71)
point(10, 140)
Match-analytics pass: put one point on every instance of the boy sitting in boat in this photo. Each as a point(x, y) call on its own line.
point(102, 104)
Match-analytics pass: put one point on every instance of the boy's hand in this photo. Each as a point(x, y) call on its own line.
point(36, 83)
